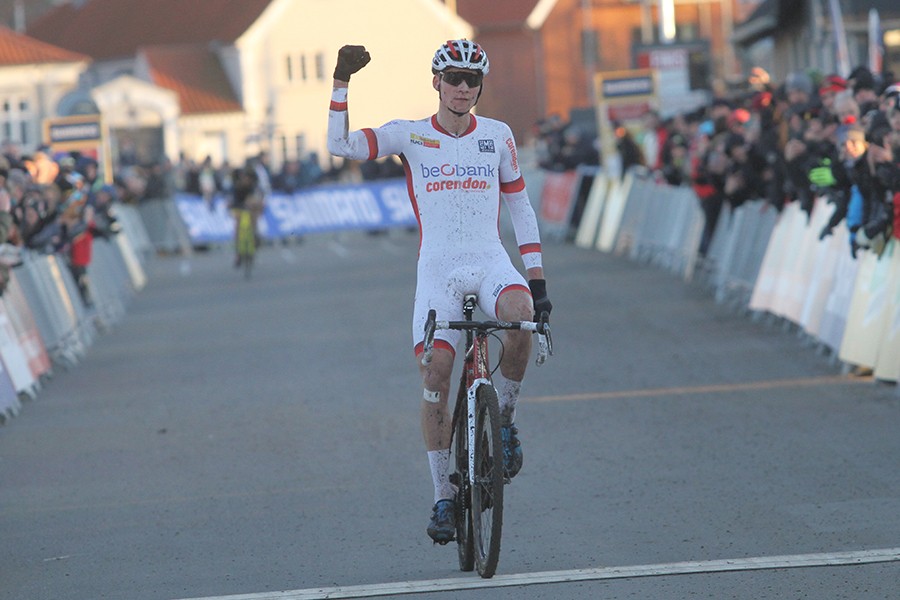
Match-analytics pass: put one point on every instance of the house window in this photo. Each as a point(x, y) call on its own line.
point(688, 32)
point(320, 66)
point(303, 74)
point(289, 68)
point(16, 120)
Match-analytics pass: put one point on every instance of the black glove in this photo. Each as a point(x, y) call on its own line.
point(350, 60)
point(539, 296)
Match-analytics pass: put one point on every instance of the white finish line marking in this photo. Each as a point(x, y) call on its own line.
point(681, 568)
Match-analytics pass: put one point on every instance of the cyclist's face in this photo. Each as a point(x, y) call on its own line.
point(455, 89)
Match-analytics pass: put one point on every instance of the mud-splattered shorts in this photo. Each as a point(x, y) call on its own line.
point(443, 281)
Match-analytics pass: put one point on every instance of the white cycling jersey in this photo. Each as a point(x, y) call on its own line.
point(455, 184)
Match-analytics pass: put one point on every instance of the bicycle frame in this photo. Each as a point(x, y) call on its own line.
point(476, 368)
point(475, 374)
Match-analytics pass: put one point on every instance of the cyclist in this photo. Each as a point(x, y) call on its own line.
point(245, 195)
point(458, 167)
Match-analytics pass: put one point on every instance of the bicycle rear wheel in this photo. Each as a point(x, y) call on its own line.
point(487, 491)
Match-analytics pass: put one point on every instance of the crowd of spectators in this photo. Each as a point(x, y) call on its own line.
point(209, 181)
point(810, 136)
point(53, 204)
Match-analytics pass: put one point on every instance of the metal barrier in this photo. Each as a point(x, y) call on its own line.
point(45, 322)
point(165, 229)
point(761, 262)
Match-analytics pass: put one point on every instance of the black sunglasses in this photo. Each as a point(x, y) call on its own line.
point(454, 78)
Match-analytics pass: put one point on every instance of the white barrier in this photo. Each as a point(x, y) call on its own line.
point(45, 322)
point(762, 261)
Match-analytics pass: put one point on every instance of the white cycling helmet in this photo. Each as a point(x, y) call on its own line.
point(462, 54)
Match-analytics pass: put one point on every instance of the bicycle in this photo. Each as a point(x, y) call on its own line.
point(479, 474)
point(246, 240)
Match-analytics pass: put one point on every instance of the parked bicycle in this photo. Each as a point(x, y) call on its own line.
point(475, 440)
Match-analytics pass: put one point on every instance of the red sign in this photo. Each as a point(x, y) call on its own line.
point(628, 112)
point(556, 196)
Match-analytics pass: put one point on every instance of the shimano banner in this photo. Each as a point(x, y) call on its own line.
point(371, 205)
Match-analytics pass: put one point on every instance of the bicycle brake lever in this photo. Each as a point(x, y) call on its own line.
point(542, 351)
point(545, 341)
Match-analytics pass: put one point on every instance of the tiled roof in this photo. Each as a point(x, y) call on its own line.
point(195, 74)
point(18, 49)
point(109, 29)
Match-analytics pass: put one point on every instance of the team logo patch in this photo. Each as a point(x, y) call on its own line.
point(424, 141)
point(486, 145)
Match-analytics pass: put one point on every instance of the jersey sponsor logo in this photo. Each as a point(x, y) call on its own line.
point(458, 177)
point(448, 170)
point(512, 150)
point(420, 140)
point(469, 184)
point(486, 146)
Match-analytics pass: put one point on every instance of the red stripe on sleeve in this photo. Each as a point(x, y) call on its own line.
point(373, 143)
point(338, 106)
point(513, 186)
point(529, 248)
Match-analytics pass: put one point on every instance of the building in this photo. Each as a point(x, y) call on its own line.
point(784, 36)
point(545, 53)
point(34, 78)
point(229, 78)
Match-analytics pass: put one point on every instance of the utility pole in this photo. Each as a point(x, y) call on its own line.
point(589, 47)
point(19, 16)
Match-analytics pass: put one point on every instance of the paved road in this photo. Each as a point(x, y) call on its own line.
point(242, 438)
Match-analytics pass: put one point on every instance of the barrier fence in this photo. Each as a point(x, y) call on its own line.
point(759, 260)
point(44, 321)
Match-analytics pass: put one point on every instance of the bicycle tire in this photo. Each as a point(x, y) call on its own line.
point(465, 546)
point(487, 491)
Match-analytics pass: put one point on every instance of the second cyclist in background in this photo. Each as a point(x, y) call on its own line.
point(245, 196)
point(458, 167)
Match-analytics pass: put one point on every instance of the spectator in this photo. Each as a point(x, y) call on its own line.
point(578, 148)
point(653, 140)
point(207, 182)
point(631, 153)
point(290, 179)
point(831, 86)
point(676, 168)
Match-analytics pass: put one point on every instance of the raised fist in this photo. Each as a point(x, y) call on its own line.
point(350, 60)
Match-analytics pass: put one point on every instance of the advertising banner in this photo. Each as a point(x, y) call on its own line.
point(84, 134)
point(367, 206)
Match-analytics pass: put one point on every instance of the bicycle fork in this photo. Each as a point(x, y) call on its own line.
point(471, 401)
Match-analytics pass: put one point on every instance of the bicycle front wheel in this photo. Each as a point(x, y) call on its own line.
point(487, 491)
point(464, 538)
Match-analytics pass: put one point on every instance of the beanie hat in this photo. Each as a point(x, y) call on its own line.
point(799, 82)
